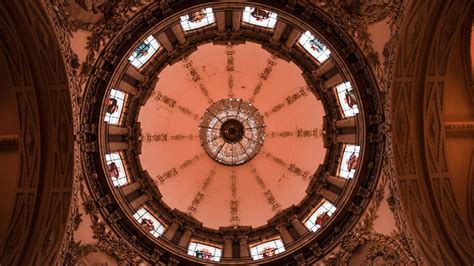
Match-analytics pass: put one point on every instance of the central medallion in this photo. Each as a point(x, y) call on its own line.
point(232, 131)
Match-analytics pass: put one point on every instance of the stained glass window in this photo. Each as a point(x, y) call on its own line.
point(116, 169)
point(149, 222)
point(314, 46)
point(347, 99)
point(114, 107)
point(320, 216)
point(144, 51)
point(259, 17)
point(202, 251)
point(197, 19)
point(267, 249)
point(349, 161)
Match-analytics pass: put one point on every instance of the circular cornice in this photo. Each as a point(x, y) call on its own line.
point(349, 61)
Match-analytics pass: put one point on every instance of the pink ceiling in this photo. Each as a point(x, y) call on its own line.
point(187, 190)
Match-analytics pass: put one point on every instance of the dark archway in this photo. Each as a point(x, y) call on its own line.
point(37, 138)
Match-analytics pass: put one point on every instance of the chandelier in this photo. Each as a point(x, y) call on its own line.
point(231, 131)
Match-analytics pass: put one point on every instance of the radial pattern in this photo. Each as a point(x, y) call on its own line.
point(232, 135)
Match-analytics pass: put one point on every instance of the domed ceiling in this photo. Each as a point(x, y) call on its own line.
point(236, 133)
point(253, 190)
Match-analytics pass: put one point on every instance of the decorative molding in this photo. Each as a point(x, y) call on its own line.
point(172, 103)
point(271, 62)
point(299, 133)
point(234, 202)
point(291, 99)
point(415, 178)
point(201, 193)
point(355, 18)
point(363, 232)
point(230, 68)
point(267, 193)
point(196, 78)
point(164, 137)
point(174, 171)
point(290, 167)
point(107, 241)
point(39, 82)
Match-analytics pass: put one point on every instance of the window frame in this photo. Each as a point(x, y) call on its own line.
point(155, 46)
point(345, 109)
point(248, 19)
point(123, 165)
point(156, 232)
point(304, 41)
point(217, 250)
point(346, 173)
point(189, 26)
point(117, 117)
point(310, 221)
point(257, 255)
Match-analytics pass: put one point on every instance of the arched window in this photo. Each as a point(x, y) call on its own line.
point(349, 162)
point(259, 17)
point(203, 251)
point(116, 169)
point(347, 99)
point(320, 216)
point(197, 19)
point(144, 51)
point(266, 249)
point(149, 222)
point(114, 107)
point(314, 46)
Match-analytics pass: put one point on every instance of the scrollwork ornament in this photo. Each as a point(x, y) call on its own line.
point(356, 17)
point(382, 255)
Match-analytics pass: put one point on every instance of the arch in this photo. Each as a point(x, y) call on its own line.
point(40, 207)
point(422, 77)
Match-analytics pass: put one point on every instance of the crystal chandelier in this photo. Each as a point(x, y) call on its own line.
point(232, 131)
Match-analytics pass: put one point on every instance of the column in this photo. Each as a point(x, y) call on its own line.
point(285, 235)
point(324, 68)
point(346, 138)
point(228, 242)
point(130, 188)
point(178, 33)
point(329, 195)
point(344, 123)
point(134, 73)
point(165, 42)
point(292, 38)
point(118, 146)
point(171, 231)
point(116, 130)
point(186, 237)
point(236, 20)
point(244, 247)
point(278, 31)
point(298, 225)
point(336, 181)
point(333, 81)
point(139, 202)
point(220, 20)
point(127, 87)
